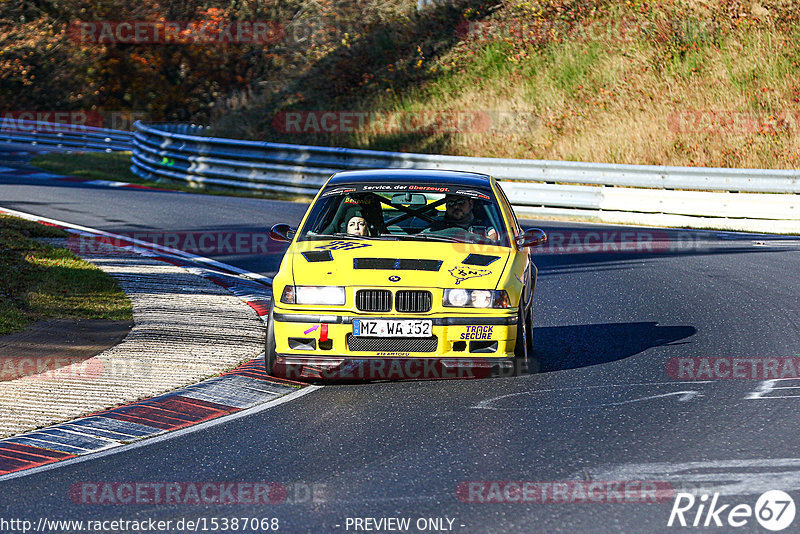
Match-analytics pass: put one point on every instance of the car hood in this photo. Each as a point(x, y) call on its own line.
point(372, 263)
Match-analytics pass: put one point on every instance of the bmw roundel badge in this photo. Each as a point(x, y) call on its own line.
point(394, 278)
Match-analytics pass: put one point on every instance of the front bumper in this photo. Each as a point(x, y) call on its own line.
point(382, 368)
point(314, 345)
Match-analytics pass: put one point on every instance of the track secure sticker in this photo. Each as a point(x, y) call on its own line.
point(478, 332)
point(464, 273)
point(343, 245)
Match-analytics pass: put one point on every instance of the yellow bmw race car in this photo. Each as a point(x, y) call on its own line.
point(403, 274)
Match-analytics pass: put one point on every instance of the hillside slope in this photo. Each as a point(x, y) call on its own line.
point(678, 82)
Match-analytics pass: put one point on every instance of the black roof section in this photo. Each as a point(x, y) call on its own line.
point(429, 176)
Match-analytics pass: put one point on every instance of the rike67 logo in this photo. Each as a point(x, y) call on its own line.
point(774, 510)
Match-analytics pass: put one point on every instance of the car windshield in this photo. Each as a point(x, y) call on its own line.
point(406, 211)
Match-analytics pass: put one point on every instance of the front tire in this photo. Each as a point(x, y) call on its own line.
point(521, 345)
point(533, 363)
point(270, 355)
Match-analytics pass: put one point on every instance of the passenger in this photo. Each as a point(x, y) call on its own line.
point(357, 225)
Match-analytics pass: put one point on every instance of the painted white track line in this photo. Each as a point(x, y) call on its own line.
point(166, 436)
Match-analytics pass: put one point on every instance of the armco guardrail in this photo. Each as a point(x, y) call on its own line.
point(736, 199)
point(66, 136)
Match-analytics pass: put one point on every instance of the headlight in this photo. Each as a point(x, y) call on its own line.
point(332, 295)
point(476, 298)
point(481, 299)
point(456, 297)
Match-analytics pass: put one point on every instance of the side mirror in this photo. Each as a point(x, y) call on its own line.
point(282, 232)
point(532, 237)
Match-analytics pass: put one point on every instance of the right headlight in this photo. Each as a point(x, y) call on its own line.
point(476, 298)
point(328, 295)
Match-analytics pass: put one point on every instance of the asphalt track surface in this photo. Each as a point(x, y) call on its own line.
point(602, 408)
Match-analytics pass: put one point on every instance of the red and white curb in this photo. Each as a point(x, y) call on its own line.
point(240, 391)
point(245, 387)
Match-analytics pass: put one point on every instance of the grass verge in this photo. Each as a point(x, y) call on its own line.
point(38, 281)
point(90, 165)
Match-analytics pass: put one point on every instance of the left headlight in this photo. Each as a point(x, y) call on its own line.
point(330, 295)
point(476, 298)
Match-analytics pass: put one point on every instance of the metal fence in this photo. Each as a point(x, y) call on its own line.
point(64, 136)
point(735, 199)
point(695, 197)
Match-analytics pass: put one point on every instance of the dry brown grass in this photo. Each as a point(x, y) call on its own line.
point(680, 82)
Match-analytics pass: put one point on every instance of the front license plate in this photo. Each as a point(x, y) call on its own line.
point(388, 328)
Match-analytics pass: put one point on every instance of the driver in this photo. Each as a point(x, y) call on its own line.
point(459, 214)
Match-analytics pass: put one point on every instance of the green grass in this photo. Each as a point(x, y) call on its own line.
point(90, 165)
point(571, 66)
point(38, 281)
